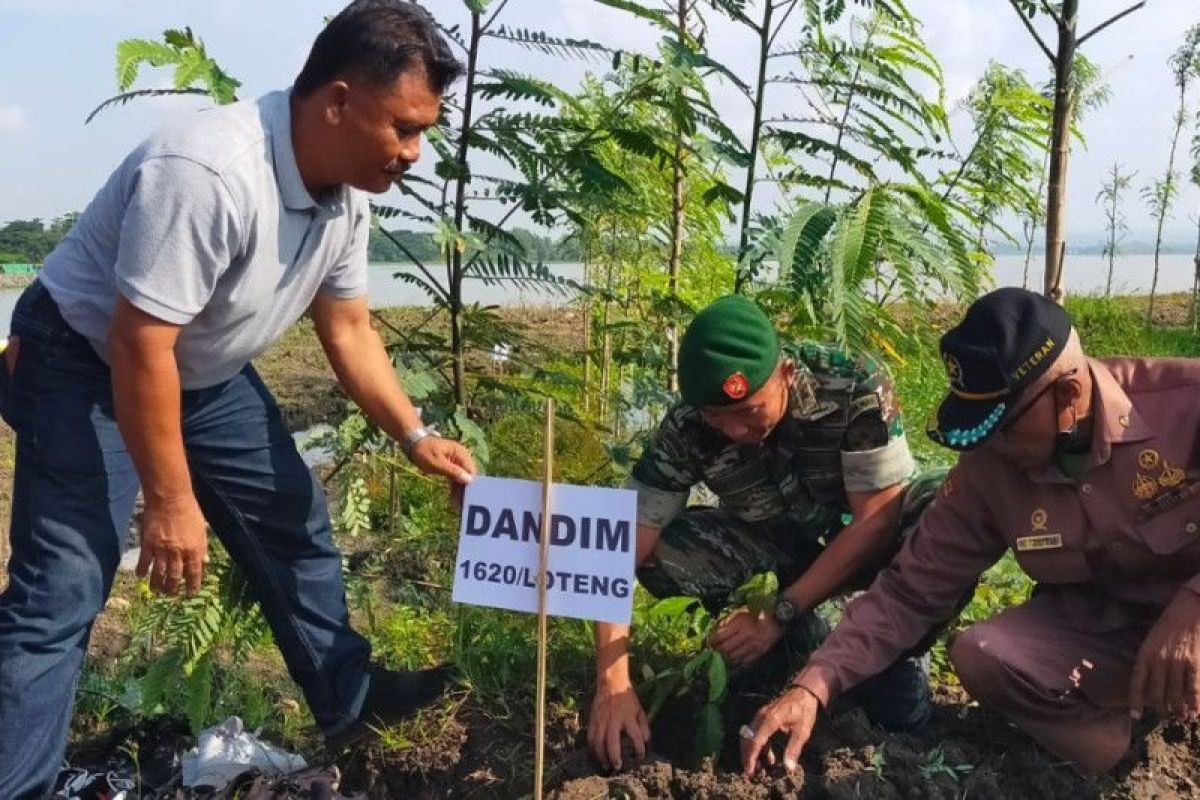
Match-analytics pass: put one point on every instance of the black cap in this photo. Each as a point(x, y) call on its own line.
point(1006, 341)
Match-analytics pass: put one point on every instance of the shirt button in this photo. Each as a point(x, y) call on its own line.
point(1114, 545)
point(1124, 420)
point(1190, 527)
point(1086, 488)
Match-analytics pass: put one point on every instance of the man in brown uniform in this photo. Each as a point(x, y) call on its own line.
point(1090, 471)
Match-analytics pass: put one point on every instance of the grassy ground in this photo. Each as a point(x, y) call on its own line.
point(398, 574)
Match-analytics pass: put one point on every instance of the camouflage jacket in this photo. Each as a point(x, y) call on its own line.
point(843, 433)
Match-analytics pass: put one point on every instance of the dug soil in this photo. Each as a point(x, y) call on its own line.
point(963, 752)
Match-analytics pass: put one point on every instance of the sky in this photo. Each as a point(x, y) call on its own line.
point(57, 58)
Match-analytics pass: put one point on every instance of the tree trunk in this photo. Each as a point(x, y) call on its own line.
point(587, 341)
point(1196, 275)
point(760, 93)
point(1031, 230)
point(1165, 199)
point(676, 230)
point(1064, 105)
point(606, 319)
point(1112, 233)
point(454, 260)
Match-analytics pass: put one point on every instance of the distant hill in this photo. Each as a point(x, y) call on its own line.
point(31, 240)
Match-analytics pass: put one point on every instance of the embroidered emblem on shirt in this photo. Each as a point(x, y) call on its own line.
point(1144, 488)
point(736, 386)
point(1039, 538)
point(1046, 541)
point(1148, 459)
point(948, 484)
point(1171, 476)
point(1168, 499)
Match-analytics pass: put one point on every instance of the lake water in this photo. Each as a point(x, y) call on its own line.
point(1084, 275)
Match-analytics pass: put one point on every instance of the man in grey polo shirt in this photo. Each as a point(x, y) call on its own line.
point(129, 365)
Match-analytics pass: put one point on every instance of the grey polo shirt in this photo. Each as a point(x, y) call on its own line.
point(208, 225)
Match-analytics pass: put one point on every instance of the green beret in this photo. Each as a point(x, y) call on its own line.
point(728, 352)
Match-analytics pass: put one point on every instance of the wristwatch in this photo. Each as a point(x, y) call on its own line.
point(785, 611)
point(416, 435)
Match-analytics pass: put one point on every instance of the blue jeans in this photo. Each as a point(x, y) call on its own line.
point(73, 494)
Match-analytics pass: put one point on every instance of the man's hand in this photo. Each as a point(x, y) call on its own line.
point(434, 455)
point(744, 637)
point(174, 545)
point(793, 712)
point(1166, 675)
point(616, 710)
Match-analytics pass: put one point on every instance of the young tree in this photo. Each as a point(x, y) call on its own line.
point(1065, 16)
point(1012, 123)
point(1109, 197)
point(1091, 92)
point(1160, 195)
point(1194, 176)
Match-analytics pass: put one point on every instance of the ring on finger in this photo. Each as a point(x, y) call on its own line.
point(746, 732)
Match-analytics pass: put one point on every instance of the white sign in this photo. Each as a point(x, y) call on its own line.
point(593, 533)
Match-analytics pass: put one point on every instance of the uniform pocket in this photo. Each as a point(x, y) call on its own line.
point(1173, 529)
point(1055, 566)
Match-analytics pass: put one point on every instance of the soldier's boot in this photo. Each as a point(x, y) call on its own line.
point(898, 699)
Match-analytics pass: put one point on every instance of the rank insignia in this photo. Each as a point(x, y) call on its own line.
point(1171, 476)
point(736, 386)
point(1144, 488)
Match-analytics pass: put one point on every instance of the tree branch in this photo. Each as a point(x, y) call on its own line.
point(492, 18)
point(1108, 22)
point(779, 27)
point(416, 261)
point(1032, 31)
point(1051, 12)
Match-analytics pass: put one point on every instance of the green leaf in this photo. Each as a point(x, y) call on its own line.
point(159, 678)
point(658, 18)
point(473, 437)
point(183, 39)
point(656, 691)
point(710, 731)
point(758, 593)
point(132, 53)
point(801, 241)
point(722, 192)
point(718, 678)
point(193, 66)
point(200, 693)
point(672, 606)
point(698, 663)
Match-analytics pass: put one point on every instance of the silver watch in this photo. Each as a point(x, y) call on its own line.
point(416, 435)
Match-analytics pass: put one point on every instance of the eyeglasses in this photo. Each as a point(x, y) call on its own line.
point(1006, 426)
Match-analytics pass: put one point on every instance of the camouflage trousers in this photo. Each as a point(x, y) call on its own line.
point(707, 553)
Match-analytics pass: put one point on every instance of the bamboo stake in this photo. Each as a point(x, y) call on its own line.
point(539, 736)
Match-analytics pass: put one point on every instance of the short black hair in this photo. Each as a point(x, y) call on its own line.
point(378, 40)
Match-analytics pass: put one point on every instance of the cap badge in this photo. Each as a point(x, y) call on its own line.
point(953, 371)
point(736, 386)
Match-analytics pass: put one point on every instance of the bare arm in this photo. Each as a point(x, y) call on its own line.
point(365, 371)
point(861, 543)
point(612, 640)
point(615, 707)
point(146, 396)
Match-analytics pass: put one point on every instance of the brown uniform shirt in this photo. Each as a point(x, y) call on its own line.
point(1127, 529)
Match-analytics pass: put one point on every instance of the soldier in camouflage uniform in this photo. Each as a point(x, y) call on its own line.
point(795, 441)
